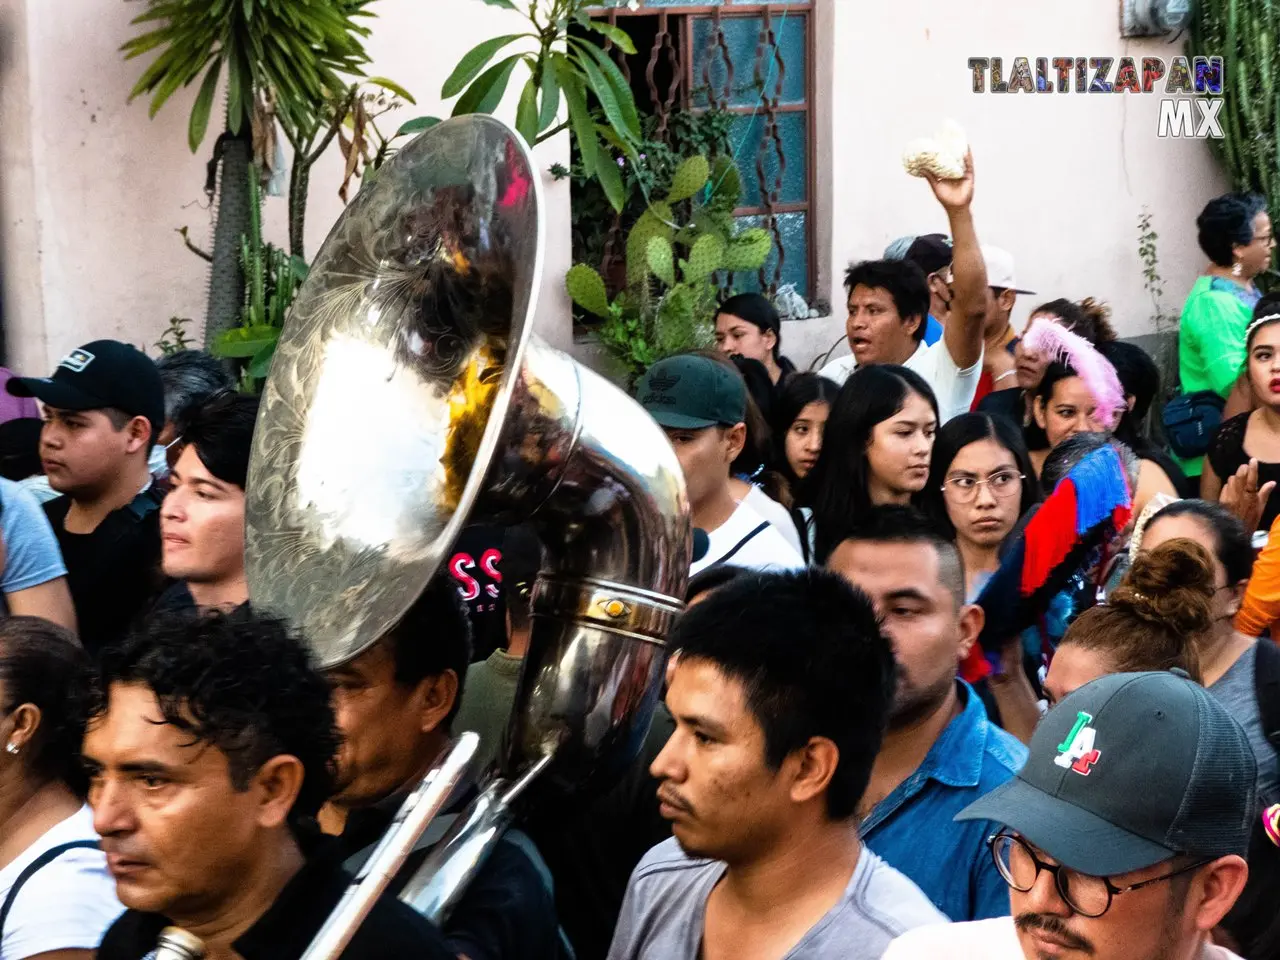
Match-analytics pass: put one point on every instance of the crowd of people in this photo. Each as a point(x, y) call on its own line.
point(916, 706)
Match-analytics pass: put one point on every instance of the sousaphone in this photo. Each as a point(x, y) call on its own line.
point(408, 398)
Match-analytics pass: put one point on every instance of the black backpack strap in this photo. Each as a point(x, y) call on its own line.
point(34, 867)
point(742, 543)
point(1266, 681)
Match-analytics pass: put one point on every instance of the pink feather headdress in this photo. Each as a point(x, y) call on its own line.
point(1058, 343)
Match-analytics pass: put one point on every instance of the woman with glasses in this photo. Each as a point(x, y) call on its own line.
point(980, 483)
point(56, 896)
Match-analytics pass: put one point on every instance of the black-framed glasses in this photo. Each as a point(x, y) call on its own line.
point(1002, 486)
point(1087, 895)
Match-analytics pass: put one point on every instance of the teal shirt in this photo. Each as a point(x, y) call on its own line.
point(1211, 340)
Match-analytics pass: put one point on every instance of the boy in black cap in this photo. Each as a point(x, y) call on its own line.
point(702, 406)
point(1125, 833)
point(103, 408)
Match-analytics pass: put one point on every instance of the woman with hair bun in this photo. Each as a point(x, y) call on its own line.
point(1235, 234)
point(1152, 621)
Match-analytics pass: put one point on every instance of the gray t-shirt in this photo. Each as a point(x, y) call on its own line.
point(663, 911)
point(1237, 692)
point(31, 554)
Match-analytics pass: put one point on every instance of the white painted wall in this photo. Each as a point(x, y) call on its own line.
point(92, 190)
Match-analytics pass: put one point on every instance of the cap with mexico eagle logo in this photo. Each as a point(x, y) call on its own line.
point(1129, 771)
point(104, 373)
point(689, 392)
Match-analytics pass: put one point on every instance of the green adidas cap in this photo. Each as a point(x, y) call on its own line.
point(690, 392)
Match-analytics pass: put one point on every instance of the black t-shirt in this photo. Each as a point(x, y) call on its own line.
point(506, 912)
point(114, 572)
point(475, 565)
point(1227, 455)
point(391, 931)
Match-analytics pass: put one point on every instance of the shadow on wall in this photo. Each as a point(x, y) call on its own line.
point(6, 58)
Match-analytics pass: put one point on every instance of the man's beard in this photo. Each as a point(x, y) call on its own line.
point(911, 705)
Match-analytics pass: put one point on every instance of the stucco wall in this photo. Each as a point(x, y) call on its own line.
point(92, 190)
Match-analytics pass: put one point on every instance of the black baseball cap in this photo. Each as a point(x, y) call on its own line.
point(689, 392)
point(104, 373)
point(1129, 771)
point(930, 253)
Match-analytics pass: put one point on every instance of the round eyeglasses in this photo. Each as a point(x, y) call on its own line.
point(1002, 486)
point(1086, 895)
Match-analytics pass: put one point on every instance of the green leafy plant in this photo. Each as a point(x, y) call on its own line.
point(273, 277)
point(174, 339)
point(675, 253)
point(1164, 321)
point(1246, 34)
point(285, 60)
point(703, 133)
point(563, 66)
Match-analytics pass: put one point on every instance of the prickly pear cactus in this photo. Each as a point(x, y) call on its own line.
point(586, 288)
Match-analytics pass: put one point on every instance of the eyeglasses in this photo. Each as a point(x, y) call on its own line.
point(1086, 895)
point(1001, 485)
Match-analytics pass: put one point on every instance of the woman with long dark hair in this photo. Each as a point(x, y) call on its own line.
point(876, 450)
point(981, 483)
point(748, 325)
point(799, 424)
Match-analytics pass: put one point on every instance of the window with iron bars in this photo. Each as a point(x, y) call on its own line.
point(754, 61)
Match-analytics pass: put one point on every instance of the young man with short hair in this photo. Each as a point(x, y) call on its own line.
point(1124, 835)
point(103, 409)
point(940, 753)
point(779, 695)
point(999, 340)
point(208, 753)
point(396, 705)
point(202, 516)
point(888, 304)
point(702, 406)
point(932, 254)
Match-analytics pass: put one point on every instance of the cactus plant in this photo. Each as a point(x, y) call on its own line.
point(676, 251)
point(1245, 34)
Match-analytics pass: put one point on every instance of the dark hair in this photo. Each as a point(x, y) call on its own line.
point(838, 488)
point(1154, 618)
point(808, 651)
point(712, 578)
point(190, 378)
point(239, 682)
point(898, 524)
point(1267, 305)
point(1089, 318)
point(1232, 544)
point(432, 637)
point(1054, 374)
point(1227, 222)
point(793, 396)
point(520, 563)
point(1140, 378)
point(1063, 458)
point(221, 431)
point(956, 434)
point(44, 665)
point(903, 280)
point(757, 311)
point(20, 448)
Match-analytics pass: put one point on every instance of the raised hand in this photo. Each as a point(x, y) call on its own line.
point(1242, 496)
point(954, 194)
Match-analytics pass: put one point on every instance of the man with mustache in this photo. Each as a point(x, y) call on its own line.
point(209, 751)
point(779, 696)
point(1124, 835)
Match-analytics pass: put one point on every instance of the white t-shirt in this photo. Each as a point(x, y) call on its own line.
point(766, 548)
point(954, 388)
point(66, 905)
point(981, 940)
point(771, 510)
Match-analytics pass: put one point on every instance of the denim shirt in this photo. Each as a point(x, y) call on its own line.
point(913, 827)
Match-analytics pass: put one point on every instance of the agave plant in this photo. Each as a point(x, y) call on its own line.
point(287, 58)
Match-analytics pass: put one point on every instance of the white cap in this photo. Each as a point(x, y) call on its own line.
point(1000, 269)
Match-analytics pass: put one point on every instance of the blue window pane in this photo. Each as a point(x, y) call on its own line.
point(795, 264)
point(742, 36)
point(745, 139)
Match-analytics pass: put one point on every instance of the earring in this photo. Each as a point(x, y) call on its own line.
point(12, 748)
point(1236, 269)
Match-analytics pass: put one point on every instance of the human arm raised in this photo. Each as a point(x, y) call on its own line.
point(963, 333)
